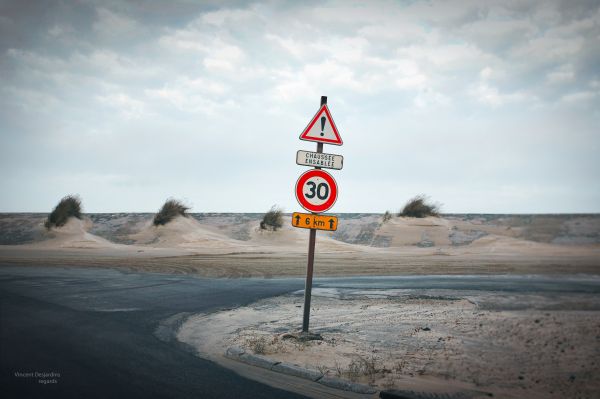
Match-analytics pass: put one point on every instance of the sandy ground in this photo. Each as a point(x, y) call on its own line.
point(365, 246)
point(438, 342)
point(432, 342)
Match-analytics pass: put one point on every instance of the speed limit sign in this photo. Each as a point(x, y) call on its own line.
point(316, 190)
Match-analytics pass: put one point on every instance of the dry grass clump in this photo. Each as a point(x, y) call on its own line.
point(170, 209)
point(258, 345)
point(362, 366)
point(272, 220)
point(368, 366)
point(262, 345)
point(387, 216)
point(69, 206)
point(419, 207)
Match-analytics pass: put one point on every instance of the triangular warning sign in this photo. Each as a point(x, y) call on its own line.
point(322, 128)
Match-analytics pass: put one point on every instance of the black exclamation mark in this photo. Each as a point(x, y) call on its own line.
point(323, 119)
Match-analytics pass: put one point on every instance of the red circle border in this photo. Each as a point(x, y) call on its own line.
point(327, 177)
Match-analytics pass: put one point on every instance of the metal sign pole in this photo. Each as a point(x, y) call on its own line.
point(311, 256)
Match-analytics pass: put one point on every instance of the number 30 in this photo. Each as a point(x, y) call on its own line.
point(316, 190)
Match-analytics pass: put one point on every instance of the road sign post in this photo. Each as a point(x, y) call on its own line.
point(316, 190)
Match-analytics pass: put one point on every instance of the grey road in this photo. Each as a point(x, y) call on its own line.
point(106, 333)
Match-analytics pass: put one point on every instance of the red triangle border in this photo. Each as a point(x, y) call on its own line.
point(318, 139)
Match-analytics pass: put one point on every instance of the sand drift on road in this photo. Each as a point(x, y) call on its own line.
point(510, 343)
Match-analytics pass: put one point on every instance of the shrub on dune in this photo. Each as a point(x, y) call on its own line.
point(419, 207)
point(387, 216)
point(272, 220)
point(69, 206)
point(170, 209)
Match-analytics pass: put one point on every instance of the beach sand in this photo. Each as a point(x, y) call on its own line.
point(435, 342)
point(237, 247)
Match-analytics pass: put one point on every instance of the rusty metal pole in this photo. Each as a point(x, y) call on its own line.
point(311, 257)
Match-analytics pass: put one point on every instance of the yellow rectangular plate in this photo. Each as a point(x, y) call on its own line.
point(310, 221)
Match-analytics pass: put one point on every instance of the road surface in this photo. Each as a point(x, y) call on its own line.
point(104, 333)
point(97, 328)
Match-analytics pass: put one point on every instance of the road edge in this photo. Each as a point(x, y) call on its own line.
point(240, 355)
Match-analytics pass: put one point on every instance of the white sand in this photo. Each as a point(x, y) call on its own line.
point(556, 357)
point(74, 234)
point(183, 232)
point(414, 246)
point(384, 341)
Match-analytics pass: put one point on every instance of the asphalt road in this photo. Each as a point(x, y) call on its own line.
point(101, 331)
point(109, 333)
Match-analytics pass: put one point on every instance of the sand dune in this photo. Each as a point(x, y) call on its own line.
point(74, 241)
point(183, 232)
point(292, 239)
point(425, 232)
point(234, 244)
point(74, 234)
point(358, 235)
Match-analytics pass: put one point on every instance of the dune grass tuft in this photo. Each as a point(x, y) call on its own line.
point(419, 207)
point(69, 206)
point(272, 220)
point(170, 209)
point(387, 216)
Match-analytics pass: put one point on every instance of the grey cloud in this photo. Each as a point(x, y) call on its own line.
point(126, 93)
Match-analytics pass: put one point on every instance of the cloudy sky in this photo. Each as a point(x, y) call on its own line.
point(484, 106)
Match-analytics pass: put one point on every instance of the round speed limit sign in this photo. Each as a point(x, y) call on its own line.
point(316, 190)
